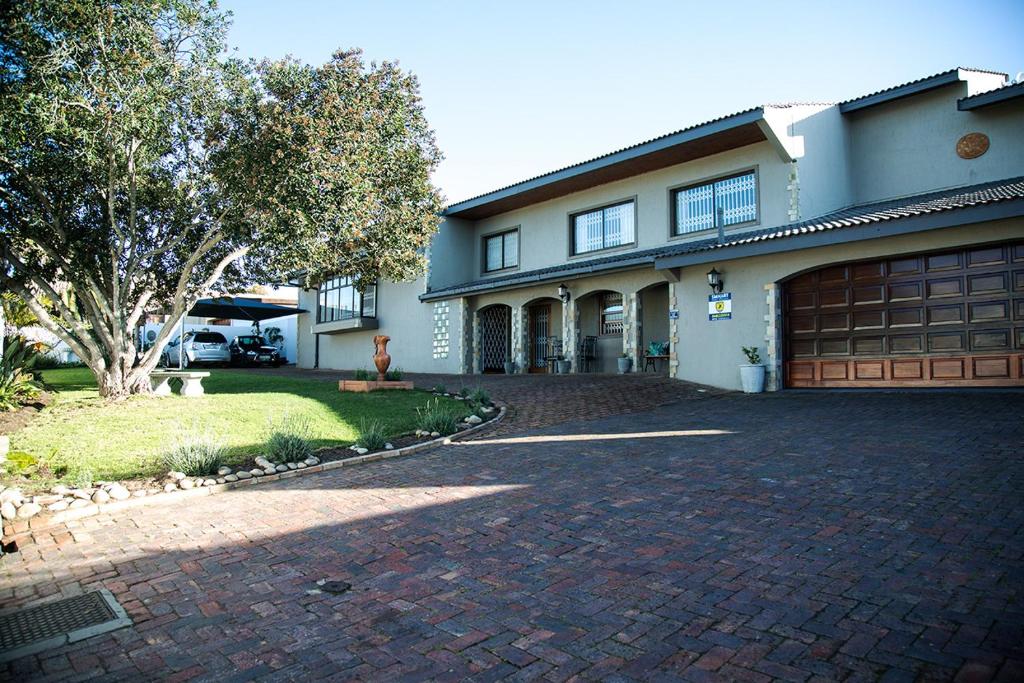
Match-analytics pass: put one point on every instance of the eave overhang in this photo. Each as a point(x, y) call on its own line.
point(991, 97)
point(713, 137)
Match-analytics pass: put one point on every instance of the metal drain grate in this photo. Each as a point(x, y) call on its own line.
point(51, 624)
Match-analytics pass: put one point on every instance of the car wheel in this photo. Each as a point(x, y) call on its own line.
point(184, 361)
point(165, 360)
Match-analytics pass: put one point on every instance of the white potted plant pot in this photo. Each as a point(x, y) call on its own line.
point(563, 366)
point(752, 378)
point(624, 364)
point(752, 372)
point(510, 368)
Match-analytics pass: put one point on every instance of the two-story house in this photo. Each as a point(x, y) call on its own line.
point(877, 241)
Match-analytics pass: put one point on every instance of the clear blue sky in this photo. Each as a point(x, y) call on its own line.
point(520, 88)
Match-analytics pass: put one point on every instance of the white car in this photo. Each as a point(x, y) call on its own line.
point(200, 347)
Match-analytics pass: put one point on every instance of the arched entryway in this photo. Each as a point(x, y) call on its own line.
point(601, 330)
point(495, 337)
point(653, 342)
point(542, 333)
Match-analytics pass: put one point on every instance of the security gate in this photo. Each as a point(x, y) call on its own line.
point(495, 338)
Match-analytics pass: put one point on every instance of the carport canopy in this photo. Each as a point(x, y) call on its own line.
point(241, 308)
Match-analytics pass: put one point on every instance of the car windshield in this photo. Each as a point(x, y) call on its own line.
point(251, 341)
point(210, 338)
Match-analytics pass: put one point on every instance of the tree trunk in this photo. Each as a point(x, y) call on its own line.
point(115, 382)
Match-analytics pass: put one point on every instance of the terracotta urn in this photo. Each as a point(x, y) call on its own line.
point(381, 358)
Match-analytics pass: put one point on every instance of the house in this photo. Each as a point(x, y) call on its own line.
point(877, 241)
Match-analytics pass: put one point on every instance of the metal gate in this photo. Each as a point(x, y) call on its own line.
point(540, 330)
point(495, 338)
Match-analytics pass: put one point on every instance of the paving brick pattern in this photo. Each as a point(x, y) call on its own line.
point(542, 400)
point(796, 537)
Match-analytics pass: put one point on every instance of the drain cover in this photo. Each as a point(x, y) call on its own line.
point(51, 624)
point(335, 586)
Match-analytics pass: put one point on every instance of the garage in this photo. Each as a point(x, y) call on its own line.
point(947, 318)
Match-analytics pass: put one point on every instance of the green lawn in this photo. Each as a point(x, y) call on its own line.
point(124, 440)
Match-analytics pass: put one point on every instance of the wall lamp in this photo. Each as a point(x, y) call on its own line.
point(563, 293)
point(715, 281)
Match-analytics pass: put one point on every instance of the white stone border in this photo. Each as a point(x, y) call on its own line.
point(45, 521)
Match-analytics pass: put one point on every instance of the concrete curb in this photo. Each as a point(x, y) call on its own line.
point(18, 529)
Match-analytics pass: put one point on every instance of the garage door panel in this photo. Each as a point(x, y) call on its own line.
point(874, 294)
point(986, 257)
point(947, 342)
point(941, 288)
point(834, 347)
point(869, 320)
point(905, 291)
point(991, 340)
point(952, 318)
point(904, 266)
point(989, 283)
point(950, 314)
point(906, 343)
point(989, 310)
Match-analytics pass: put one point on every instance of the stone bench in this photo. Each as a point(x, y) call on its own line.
point(191, 382)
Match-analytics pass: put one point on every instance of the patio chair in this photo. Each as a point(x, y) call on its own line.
point(553, 353)
point(588, 353)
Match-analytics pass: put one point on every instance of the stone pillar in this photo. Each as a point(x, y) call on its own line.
point(465, 337)
point(518, 332)
point(630, 325)
point(773, 337)
point(569, 333)
point(673, 330)
point(475, 362)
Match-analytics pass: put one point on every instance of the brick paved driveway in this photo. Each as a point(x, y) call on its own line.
point(798, 536)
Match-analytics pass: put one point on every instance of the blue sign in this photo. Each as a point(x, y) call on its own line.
point(720, 306)
point(673, 315)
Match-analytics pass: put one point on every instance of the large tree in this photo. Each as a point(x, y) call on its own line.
point(142, 169)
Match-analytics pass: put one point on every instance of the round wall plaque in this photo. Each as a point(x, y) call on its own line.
point(972, 145)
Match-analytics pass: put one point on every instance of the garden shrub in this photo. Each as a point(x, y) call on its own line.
point(362, 375)
point(372, 434)
point(440, 389)
point(435, 417)
point(394, 375)
point(480, 396)
point(196, 455)
point(289, 442)
point(18, 383)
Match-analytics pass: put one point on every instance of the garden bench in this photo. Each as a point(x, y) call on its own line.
point(191, 382)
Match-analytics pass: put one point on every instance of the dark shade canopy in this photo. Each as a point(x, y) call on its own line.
point(240, 308)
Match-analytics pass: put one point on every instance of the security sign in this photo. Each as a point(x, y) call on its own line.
point(720, 306)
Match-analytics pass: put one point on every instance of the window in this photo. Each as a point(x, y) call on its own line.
point(604, 228)
point(695, 208)
point(611, 313)
point(340, 300)
point(501, 251)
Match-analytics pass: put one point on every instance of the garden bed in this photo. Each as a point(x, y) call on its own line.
point(80, 438)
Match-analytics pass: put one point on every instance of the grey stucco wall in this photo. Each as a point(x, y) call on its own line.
point(909, 146)
point(709, 351)
point(401, 316)
point(544, 228)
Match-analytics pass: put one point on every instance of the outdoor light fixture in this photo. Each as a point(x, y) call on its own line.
point(563, 293)
point(715, 281)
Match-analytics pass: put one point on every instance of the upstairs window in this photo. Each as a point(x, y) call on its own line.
point(338, 299)
point(695, 208)
point(604, 228)
point(501, 251)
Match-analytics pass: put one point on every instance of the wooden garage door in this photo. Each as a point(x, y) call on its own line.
point(937, 319)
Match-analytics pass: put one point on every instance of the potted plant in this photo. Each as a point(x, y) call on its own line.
point(510, 367)
point(752, 373)
point(624, 363)
point(562, 366)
